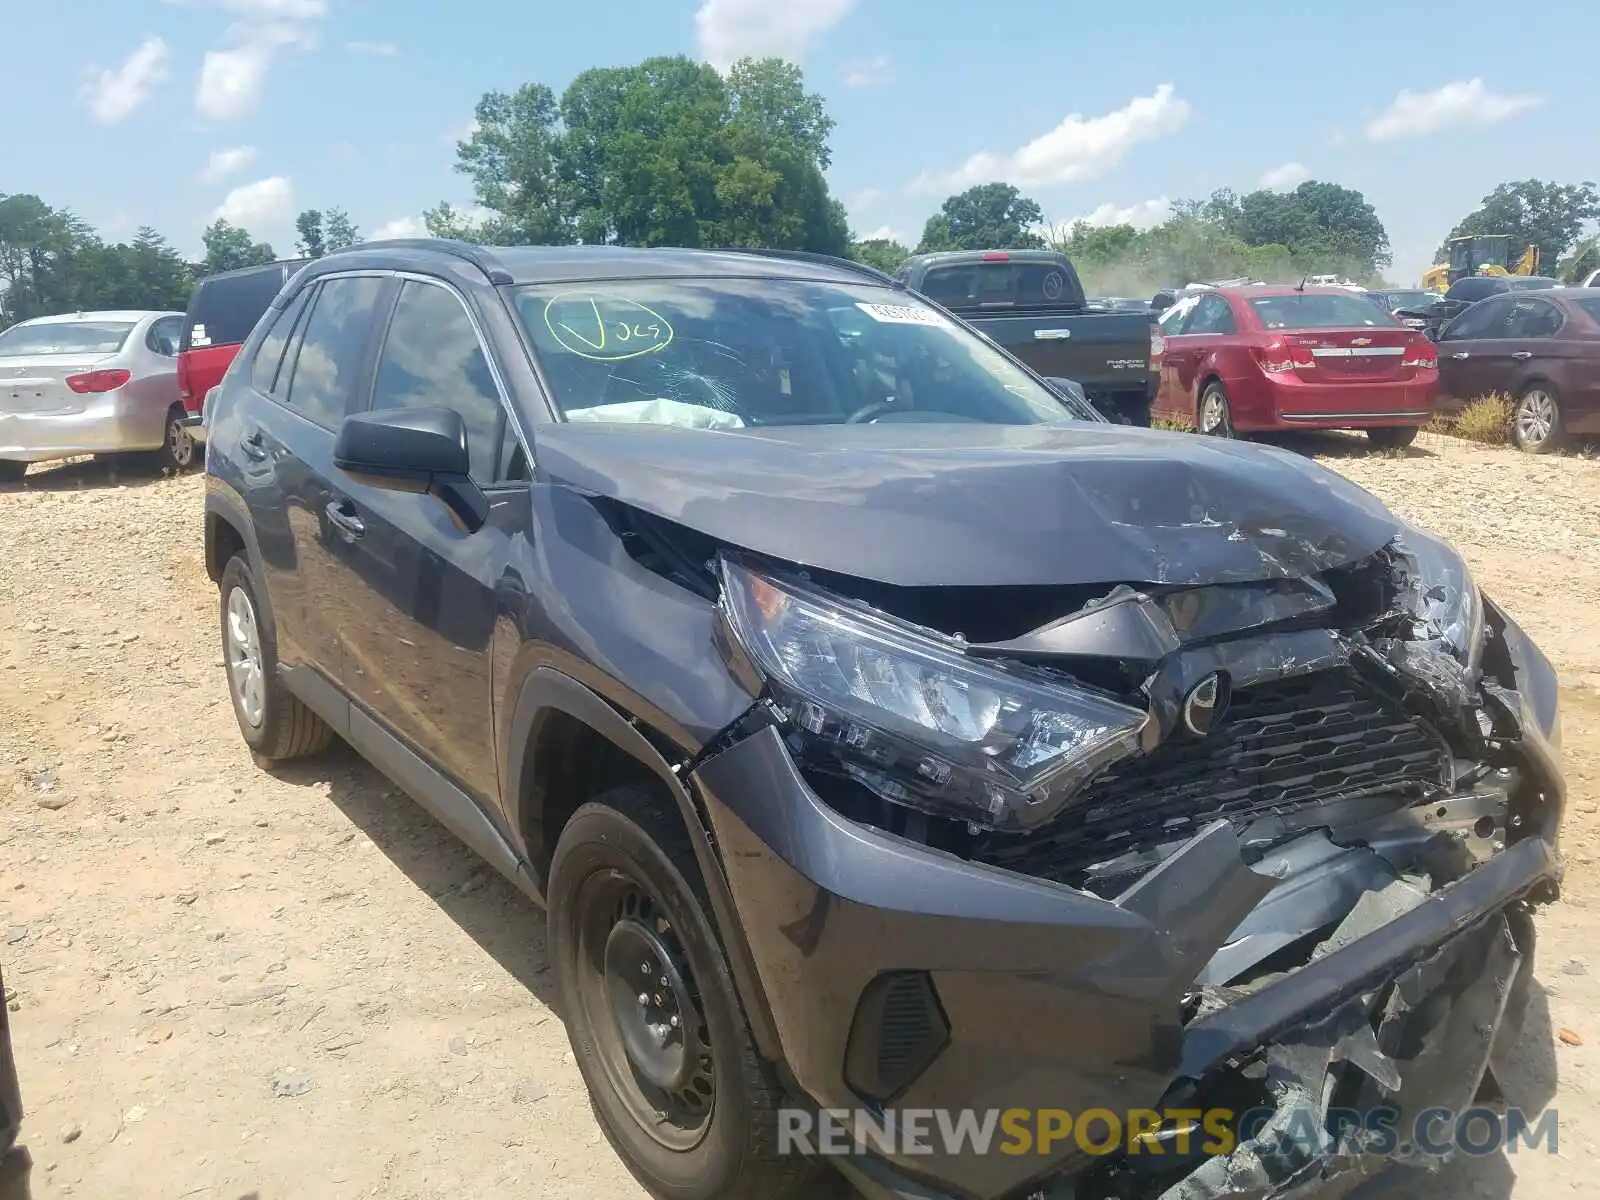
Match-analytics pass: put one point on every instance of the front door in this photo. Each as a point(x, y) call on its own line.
point(1467, 353)
point(420, 660)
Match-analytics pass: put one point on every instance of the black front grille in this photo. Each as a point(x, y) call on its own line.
point(1282, 746)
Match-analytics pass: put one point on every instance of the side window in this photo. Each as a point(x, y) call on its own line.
point(1212, 315)
point(163, 336)
point(1482, 320)
point(1172, 321)
point(325, 368)
point(1533, 319)
point(269, 355)
point(432, 357)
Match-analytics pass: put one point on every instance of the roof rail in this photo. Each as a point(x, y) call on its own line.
point(823, 260)
point(466, 251)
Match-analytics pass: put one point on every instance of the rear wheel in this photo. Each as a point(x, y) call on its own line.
point(1393, 437)
point(178, 450)
point(655, 1023)
point(1215, 417)
point(275, 724)
point(1536, 419)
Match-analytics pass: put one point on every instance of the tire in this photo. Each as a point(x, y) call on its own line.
point(1214, 415)
point(1392, 437)
point(1536, 419)
point(623, 863)
point(12, 471)
point(272, 720)
point(179, 452)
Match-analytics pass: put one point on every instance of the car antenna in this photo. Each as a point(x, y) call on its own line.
point(1301, 286)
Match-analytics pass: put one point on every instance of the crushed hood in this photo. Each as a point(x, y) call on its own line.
point(984, 505)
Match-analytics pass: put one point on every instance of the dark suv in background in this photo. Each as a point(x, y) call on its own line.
point(883, 729)
point(223, 309)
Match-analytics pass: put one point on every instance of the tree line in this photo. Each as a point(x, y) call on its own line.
point(672, 152)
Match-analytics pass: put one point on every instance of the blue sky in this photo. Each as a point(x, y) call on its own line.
point(169, 112)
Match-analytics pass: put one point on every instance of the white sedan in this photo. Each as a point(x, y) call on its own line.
point(92, 383)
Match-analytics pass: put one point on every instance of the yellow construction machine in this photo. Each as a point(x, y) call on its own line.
point(1480, 254)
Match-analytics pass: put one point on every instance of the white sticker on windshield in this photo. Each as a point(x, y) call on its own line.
point(902, 314)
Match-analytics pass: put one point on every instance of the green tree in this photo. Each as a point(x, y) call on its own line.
point(1550, 216)
point(666, 152)
point(1332, 228)
point(991, 216)
point(1582, 262)
point(228, 248)
point(47, 257)
point(339, 230)
point(311, 243)
point(883, 253)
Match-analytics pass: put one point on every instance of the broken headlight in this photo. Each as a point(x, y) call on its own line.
point(1441, 596)
point(903, 711)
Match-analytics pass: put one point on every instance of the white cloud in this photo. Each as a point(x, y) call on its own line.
point(1145, 214)
point(732, 29)
point(116, 93)
point(868, 72)
point(863, 200)
point(1282, 179)
point(1464, 102)
point(223, 163)
point(233, 77)
point(266, 202)
point(400, 227)
point(374, 49)
point(461, 133)
point(1079, 148)
point(278, 10)
point(886, 234)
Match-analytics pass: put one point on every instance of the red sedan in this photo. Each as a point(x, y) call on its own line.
point(1248, 359)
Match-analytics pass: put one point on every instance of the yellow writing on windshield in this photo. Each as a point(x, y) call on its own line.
point(605, 328)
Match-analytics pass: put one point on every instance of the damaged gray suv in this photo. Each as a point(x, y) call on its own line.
point(892, 740)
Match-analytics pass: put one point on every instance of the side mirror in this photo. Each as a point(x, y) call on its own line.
point(417, 450)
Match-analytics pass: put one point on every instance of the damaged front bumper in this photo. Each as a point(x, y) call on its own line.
point(899, 978)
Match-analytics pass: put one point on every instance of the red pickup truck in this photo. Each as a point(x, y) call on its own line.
point(223, 309)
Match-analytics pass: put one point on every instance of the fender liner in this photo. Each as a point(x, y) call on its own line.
point(548, 690)
point(222, 505)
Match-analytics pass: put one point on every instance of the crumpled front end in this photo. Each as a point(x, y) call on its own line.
point(1300, 887)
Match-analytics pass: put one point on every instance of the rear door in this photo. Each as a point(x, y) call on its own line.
point(1208, 328)
point(305, 378)
point(420, 659)
point(1532, 347)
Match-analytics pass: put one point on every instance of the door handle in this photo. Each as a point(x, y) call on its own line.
point(1461, 354)
point(1052, 335)
point(344, 518)
point(1520, 355)
point(253, 446)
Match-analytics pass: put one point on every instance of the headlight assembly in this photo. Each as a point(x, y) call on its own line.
point(906, 713)
point(1442, 597)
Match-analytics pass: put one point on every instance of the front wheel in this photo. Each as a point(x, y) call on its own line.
point(652, 1014)
point(1215, 417)
point(1393, 437)
point(1536, 419)
point(274, 722)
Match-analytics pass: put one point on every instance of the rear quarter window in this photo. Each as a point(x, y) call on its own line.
point(1589, 306)
point(223, 311)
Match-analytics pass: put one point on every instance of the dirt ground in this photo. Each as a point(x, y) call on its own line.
point(229, 984)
